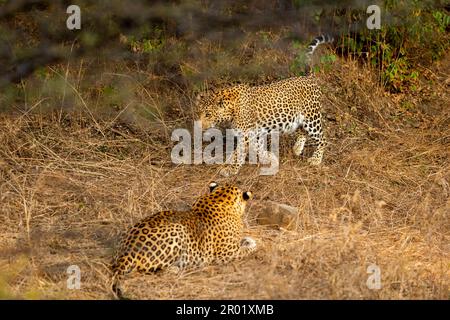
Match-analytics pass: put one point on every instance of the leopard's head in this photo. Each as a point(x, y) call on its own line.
point(218, 106)
point(227, 197)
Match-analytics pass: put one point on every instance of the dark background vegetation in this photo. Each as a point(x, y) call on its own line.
point(86, 117)
point(169, 39)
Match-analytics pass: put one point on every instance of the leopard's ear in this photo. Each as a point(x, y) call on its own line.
point(213, 90)
point(206, 92)
point(212, 186)
point(200, 96)
point(220, 102)
point(247, 195)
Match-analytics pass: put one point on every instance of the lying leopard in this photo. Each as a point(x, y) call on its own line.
point(211, 232)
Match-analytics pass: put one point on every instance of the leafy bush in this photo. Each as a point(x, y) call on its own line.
point(414, 34)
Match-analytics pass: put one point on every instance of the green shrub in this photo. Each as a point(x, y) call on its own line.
point(414, 34)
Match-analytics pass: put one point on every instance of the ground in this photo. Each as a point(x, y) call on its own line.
point(69, 185)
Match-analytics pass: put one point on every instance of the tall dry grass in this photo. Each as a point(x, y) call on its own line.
point(71, 181)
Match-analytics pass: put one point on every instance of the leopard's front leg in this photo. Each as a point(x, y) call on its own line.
point(238, 251)
point(235, 161)
point(299, 143)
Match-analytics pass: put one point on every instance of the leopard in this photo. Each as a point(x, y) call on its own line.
point(211, 232)
point(289, 106)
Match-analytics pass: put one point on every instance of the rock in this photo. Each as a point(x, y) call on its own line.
point(277, 214)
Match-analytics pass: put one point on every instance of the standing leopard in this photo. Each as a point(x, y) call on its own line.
point(288, 106)
point(211, 232)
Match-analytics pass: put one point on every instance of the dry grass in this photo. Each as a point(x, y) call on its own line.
point(69, 185)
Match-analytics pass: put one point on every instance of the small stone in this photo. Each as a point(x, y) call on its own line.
point(277, 214)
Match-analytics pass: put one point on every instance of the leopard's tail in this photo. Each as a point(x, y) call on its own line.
point(118, 273)
point(115, 286)
point(317, 41)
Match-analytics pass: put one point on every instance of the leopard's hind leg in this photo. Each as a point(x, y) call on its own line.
point(313, 126)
